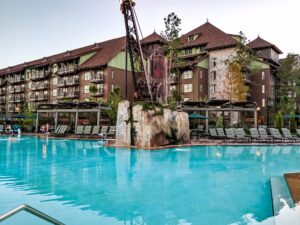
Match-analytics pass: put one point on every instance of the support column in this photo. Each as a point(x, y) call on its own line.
point(76, 120)
point(206, 121)
point(98, 117)
point(55, 120)
point(37, 122)
point(255, 118)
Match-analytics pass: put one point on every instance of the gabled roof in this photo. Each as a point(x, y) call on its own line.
point(153, 38)
point(209, 36)
point(260, 43)
point(105, 51)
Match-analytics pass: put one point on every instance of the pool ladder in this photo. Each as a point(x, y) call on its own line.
point(32, 211)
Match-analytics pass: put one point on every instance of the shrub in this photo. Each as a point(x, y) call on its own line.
point(278, 121)
point(293, 124)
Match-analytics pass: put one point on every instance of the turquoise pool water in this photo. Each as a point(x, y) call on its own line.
point(83, 183)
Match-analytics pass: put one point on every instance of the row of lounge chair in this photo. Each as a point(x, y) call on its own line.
point(256, 135)
point(103, 131)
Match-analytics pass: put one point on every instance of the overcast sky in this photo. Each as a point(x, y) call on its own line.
point(32, 29)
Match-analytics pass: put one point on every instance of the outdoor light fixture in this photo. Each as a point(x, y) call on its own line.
point(258, 108)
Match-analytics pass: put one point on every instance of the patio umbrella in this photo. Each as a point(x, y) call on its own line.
point(197, 116)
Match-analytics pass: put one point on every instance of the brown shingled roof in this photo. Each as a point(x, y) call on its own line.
point(105, 52)
point(209, 36)
point(260, 43)
point(152, 38)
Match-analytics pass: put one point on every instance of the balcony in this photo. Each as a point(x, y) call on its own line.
point(17, 90)
point(14, 109)
point(99, 93)
point(68, 95)
point(2, 101)
point(16, 99)
point(63, 71)
point(173, 80)
point(2, 110)
point(3, 82)
point(41, 75)
point(42, 86)
point(3, 91)
point(68, 83)
point(16, 80)
point(97, 78)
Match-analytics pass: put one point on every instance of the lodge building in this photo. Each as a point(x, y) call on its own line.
point(67, 76)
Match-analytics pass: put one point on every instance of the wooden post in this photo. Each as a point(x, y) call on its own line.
point(255, 118)
point(37, 122)
point(206, 121)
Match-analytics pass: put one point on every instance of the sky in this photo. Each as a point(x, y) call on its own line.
point(32, 29)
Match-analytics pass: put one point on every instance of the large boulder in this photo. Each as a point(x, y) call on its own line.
point(123, 134)
point(153, 128)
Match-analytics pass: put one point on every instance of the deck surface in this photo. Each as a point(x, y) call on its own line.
point(293, 181)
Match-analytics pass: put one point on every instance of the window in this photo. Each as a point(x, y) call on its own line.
point(263, 102)
point(214, 89)
point(192, 37)
point(213, 75)
point(201, 74)
point(188, 51)
point(187, 75)
point(289, 83)
point(214, 62)
point(294, 83)
point(54, 81)
point(186, 99)
point(86, 89)
point(172, 87)
point(263, 75)
point(263, 89)
point(54, 92)
point(187, 88)
point(295, 95)
point(87, 76)
point(290, 94)
point(112, 74)
point(200, 88)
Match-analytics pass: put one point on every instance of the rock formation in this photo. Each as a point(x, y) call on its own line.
point(153, 128)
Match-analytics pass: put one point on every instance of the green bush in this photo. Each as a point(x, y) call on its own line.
point(278, 121)
point(293, 124)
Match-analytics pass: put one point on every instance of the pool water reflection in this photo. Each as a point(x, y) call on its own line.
point(84, 183)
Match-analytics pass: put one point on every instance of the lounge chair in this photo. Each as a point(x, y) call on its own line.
point(230, 134)
point(241, 135)
point(87, 130)
point(287, 134)
point(213, 132)
point(255, 135)
point(58, 128)
point(263, 134)
point(111, 132)
point(298, 132)
point(221, 133)
point(277, 135)
point(62, 130)
point(95, 130)
point(79, 130)
point(103, 131)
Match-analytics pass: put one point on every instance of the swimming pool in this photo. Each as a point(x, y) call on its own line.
point(84, 183)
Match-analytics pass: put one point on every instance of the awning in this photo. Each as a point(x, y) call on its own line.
point(197, 116)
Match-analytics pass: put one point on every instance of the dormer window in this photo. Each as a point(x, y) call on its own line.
point(193, 37)
point(214, 62)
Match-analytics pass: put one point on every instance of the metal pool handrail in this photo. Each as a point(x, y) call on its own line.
point(32, 211)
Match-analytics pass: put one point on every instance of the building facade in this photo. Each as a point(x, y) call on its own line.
point(205, 52)
point(66, 77)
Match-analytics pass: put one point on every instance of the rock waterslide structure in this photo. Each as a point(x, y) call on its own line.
point(152, 128)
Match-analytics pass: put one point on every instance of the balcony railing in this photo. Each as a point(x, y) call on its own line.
point(69, 82)
point(40, 75)
point(97, 78)
point(17, 90)
point(72, 94)
point(16, 80)
point(3, 83)
point(99, 93)
point(3, 91)
point(66, 70)
point(16, 99)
